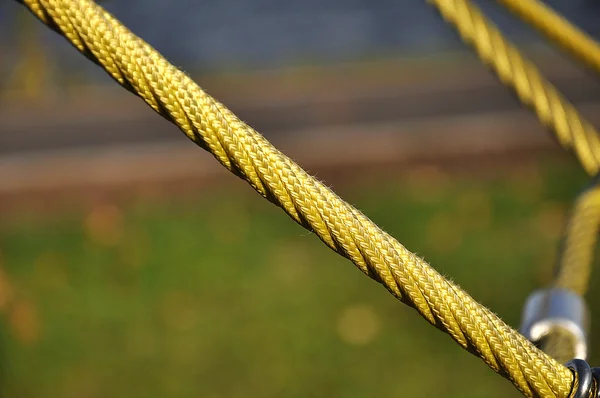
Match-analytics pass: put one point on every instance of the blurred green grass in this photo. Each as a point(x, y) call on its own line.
point(218, 294)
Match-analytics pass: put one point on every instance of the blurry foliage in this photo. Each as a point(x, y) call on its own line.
point(218, 294)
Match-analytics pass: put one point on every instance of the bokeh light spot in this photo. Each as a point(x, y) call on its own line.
point(444, 235)
point(179, 311)
point(24, 322)
point(358, 325)
point(104, 225)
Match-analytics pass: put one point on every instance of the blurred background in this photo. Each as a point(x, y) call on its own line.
point(133, 265)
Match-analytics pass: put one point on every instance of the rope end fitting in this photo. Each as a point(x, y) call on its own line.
point(548, 309)
point(587, 379)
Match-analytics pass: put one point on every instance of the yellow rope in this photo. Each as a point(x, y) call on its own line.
point(558, 29)
point(579, 242)
point(142, 70)
point(553, 110)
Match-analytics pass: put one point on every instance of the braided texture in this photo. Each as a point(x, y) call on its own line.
point(142, 70)
point(572, 131)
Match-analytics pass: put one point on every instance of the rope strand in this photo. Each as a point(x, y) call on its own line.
point(573, 132)
point(558, 29)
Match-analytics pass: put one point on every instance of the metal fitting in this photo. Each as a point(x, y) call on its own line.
point(549, 309)
point(586, 380)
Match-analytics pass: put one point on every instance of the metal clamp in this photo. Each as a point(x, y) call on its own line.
point(586, 380)
point(583, 378)
point(549, 309)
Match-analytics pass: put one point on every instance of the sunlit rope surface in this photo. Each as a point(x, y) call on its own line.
point(171, 93)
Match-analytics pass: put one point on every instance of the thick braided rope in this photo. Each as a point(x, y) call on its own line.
point(243, 151)
point(572, 131)
point(558, 29)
